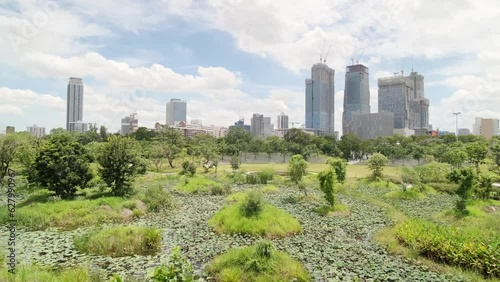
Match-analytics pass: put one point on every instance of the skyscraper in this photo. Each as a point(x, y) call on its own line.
point(176, 112)
point(129, 124)
point(356, 94)
point(320, 100)
point(261, 126)
point(36, 131)
point(282, 121)
point(420, 104)
point(74, 110)
point(395, 95)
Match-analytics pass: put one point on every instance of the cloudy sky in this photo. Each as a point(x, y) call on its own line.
point(231, 58)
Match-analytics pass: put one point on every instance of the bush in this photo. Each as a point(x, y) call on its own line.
point(221, 189)
point(235, 162)
point(266, 175)
point(444, 187)
point(196, 184)
point(326, 182)
point(339, 166)
point(157, 199)
point(120, 241)
point(252, 204)
point(376, 163)
point(466, 248)
point(410, 176)
point(188, 169)
point(433, 172)
point(178, 268)
point(237, 177)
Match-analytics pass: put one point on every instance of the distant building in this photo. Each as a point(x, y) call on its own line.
point(241, 123)
point(197, 121)
point(36, 131)
point(406, 132)
point(10, 129)
point(191, 130)
point(176, 112)
point(261, 126)
point(129, 125)
point(356, 94)
point(488, 127)
point(74, 109)
point(371, 125)
point(463, 131)
point(320, 100)
point(282, 121)
point(476, 127)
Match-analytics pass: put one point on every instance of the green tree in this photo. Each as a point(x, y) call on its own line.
point(349, 146)
point(255, 146)
point(326, 182)
point(339, 166)
point(62, 165)
point(495, 150)
point(485, 186)
point(172, 141)
point(119, 161)
point(9, 144)
point(157, 154)
point(272, 146)
point(26, 155)
point(144, 134)
point(298, 142)
point(297, 169)
point(417, 152)
point(103, 133)
point(467, 180)
point(476, 153)
point(235, 162)
point(455, 156)
point(376, 163)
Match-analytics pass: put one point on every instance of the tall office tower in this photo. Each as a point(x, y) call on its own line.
point(176, 112)
point(282, 121)
point(476, 127)
point(395, 95)
point(356, 94)
point(420, 105)
point(257, 125)
point(74, 110)
point(36, 131)
point(268, 127)
point(129, 124)
point(320, 100)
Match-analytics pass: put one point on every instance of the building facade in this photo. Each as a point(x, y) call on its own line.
point(10, 129)
point(463, 131)
point(488, 127)
point(356, 94)
point(371, 125)
point(74, 107)
point(129, 125)
point(36, 131)
point(261, 126)
point(320, 100)
point(176, 112)
point(282, 121)
point(241, 123)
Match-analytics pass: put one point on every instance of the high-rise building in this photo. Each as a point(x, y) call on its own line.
point(36, 131)
point(488, 127)
point(129, 125)
point(74, 109)
point(371, 125)
point(356, 94)
point(10, 129)
point(320, 100)
point(282, 122)
point(420, 104)
point(176, 112)
point(463, 131)
point(241, 123)
point(476, 127)
point(261, 126)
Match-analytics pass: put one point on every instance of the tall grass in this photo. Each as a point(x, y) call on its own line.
point(196, 184)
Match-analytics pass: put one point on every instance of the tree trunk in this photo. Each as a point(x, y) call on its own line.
point(170, 163)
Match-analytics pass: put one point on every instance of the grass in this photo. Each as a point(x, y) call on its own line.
point(120, 241)
point(246, 265)
point(271, 222)
point(30, 273)
point(410, 194)
point(196, 184)
point(336, 210)
point(270, 189)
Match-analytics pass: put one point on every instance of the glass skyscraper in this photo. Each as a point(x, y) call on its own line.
point(74, 109)
point(356, 94)
point(176, 111)
point(320, 100)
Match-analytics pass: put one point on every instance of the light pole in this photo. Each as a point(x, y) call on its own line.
point(456, 120)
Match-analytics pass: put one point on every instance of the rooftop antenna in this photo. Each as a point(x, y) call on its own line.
point(321, 56)
point(359, 58)
point(329, 48)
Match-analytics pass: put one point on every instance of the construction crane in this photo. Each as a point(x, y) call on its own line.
point(329, 48)
point(321, 56)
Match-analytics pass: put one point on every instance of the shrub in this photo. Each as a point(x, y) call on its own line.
point(252, 204)
point(410, 176)
point(196, 184)
point(237, 177)
point(326, 180)
point(339, 166)
point(178, 268)
point(266, 175)
point(376, 163)
point(252, 179)
point(433, 172)
point(467, 180)
point(221, 189)
point(157, 199)
point(235, 162)
point(466, 248)
point(188, 169)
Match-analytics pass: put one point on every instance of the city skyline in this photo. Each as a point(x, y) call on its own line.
point(137, 59)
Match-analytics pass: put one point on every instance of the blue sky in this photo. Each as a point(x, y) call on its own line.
point(232, 58)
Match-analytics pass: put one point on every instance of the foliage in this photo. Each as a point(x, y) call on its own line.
point(196, 184)
point(221, 189)
point(261, 177)
point(485, 186)
point(433, 172)
point(495, 151)
point(62, 165)
point(410, 176)
point(252, 204)
point(339, 166)
point(349, 145)
point(172, 142)
point(455, 156)
point(157, 198)
point(178, 268)
point(235, 162)
point(120, 241)
point(467, 180)
point(326, 182)
point(257, 263)
point(188, 169)
point(297, 169)
point(376, 164)
point(33, 272)
point(269, 189)
point(452, 245)
point(119, 161)
point(298, 142)
point(26, 154)
point(476, 153)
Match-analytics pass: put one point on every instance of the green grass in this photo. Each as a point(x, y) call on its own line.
point(196, 184)
point(410, 194)
point(246, 265)
point(270, 189)
point(30, 273)
point(120, 241)
point(271, 222)
point(337, 210)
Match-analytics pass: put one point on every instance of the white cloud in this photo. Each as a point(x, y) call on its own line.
point(20, 98)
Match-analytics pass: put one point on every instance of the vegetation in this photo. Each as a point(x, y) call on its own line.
point(178, 268)
point(339, 166)
point(296, 170)
point(197, 184)
point(29, 273)
point(326, 182)
point(257, 263)
point(252, 204)
point(466, 178)
point(376, 164)
point(120, 241)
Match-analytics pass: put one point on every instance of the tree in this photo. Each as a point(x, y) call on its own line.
point(339, 166)
point(143, 133)
point(9, 144)
point(235, 162)
point(298, 142)
point(271, 146)
point(455, 156)
point(297, 169)
point(495, 150)
point(157, 155)
point(62, 165)
point(417, 152)
point(172, 141)
point(349, 146)
point(326, 182)
point(237, 136)
point(467, 180)
point(119, 161)
point(26, 155)
point(476, 153)
point(376, 163)
point(256, 146)
point(103, 133)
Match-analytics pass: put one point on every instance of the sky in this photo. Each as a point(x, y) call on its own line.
point(231, 58)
